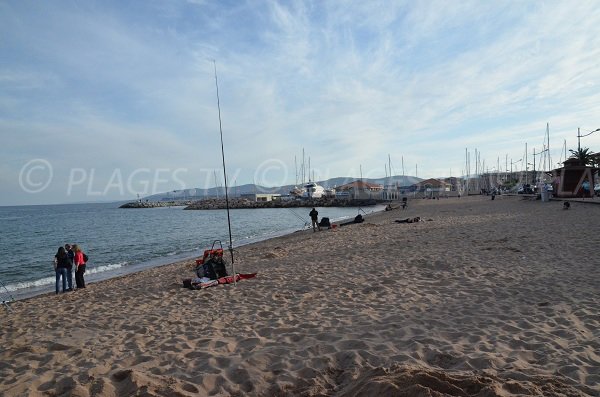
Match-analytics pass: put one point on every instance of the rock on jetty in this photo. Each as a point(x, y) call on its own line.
point(235, 203)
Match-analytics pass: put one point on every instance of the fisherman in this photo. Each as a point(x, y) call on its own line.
point(314, 217)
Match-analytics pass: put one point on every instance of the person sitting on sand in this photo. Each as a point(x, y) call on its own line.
point(314, 217)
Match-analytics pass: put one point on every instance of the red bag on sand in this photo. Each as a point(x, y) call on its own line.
point(207, 253)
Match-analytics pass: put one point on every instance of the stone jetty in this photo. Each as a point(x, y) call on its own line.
point(235, 203)
point(155, 204)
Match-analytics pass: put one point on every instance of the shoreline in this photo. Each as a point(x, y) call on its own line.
point(472, 299)
point(99, 277)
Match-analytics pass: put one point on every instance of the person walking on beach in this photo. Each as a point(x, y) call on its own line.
point(79, 262)
point(71, 256)
point(61, 262)
point(314, 217)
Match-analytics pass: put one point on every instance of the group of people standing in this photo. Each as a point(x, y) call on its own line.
point(65, 259)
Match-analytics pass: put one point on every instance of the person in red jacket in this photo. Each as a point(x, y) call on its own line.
point(79, 262)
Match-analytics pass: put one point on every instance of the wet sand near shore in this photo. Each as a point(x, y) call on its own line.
point(481, 298)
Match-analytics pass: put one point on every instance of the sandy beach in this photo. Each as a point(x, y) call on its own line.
point(481, 298)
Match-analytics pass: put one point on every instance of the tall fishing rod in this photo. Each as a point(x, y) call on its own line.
point(300, 217)
point(224, 175)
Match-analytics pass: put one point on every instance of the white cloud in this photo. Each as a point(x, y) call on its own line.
point(348, 81)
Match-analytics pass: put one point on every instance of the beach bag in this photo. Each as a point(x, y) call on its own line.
point(324, 222)
point(208, 270)
point(219, 267)
point(358, 219)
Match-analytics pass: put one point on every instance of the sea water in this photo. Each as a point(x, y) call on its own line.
point(120, 241)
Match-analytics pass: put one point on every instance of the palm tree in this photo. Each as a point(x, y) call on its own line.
point(596, 160)
point(585, 156)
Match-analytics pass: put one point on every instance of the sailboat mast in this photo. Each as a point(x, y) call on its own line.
point(225, 176)
point(497, 178)
point(548, 147)
point(506, 165)
point(468, 155)
point(403, 168)
point(390, 165)
point(303, 168)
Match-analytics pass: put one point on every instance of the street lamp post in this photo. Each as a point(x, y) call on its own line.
point(579, 136)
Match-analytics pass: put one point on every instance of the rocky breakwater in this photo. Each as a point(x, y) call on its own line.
point(236, 203)
point(155, 204)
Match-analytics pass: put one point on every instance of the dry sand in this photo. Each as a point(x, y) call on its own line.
point(484, 298)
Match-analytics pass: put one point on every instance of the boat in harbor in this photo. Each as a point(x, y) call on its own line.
point(297, 192)
point(313, 190)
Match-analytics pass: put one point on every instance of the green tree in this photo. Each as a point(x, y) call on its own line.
point(584, 155)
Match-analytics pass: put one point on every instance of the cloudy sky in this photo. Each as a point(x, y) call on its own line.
point(104, 100)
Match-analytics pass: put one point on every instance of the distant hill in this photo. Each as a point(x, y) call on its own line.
point(235, 191)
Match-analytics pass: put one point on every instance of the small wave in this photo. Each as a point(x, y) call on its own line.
point(105, 268)
point(30, 284)
point(51, 280)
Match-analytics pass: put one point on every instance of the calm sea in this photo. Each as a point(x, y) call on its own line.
point(120, 241)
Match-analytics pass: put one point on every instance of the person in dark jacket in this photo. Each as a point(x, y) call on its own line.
point(314, 217)
point(71, 256)
point(61, 263)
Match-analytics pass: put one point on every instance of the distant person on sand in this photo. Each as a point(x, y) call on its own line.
point(409, 220)
point(314, 217)
point(79, 262)
point(71, 256)
point(61, 262)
